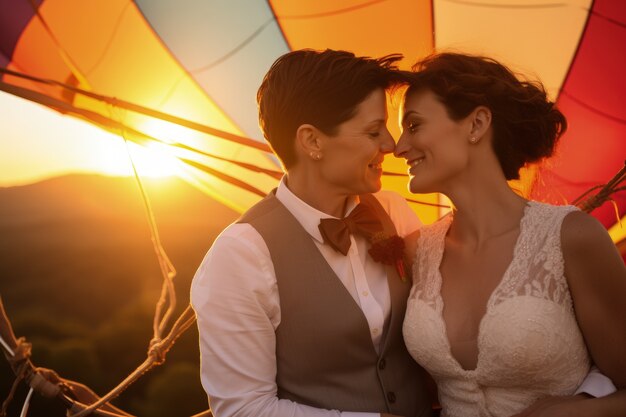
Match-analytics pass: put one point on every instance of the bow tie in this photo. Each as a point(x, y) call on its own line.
point(362, 220)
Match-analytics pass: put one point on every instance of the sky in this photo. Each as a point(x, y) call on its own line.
point(39, 143)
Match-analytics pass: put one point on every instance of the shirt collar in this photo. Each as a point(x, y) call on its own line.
point(308, 217)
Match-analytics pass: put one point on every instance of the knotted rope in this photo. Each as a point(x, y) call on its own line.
point(605, 193)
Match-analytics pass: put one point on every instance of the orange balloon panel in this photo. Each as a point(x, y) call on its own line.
point(106, 46)
point(37, 55)
point(370, 29)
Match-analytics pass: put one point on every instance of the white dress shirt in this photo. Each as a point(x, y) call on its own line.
point(235, 296)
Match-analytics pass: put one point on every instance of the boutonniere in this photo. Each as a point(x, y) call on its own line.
point(389, 250)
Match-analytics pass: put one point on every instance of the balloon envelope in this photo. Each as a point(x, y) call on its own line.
point(201, 63)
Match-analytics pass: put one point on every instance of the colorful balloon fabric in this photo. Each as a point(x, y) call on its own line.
point(185, 73)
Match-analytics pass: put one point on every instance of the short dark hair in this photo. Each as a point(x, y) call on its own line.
point(526, 125)
point(321, 88)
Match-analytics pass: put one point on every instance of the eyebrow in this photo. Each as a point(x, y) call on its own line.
point(376, 122)
point(407, 114)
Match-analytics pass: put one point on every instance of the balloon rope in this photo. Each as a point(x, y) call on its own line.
point(167, 300)
point(242, 140)
point(168, 272)
point(6, 346)
point(133, 135)
point(158, 346)
point(156, 356)
point(425, 203)
point(604, 194)
point(26, 403)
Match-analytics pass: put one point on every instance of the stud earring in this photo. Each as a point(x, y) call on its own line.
point(473, 139)
point(315, 156)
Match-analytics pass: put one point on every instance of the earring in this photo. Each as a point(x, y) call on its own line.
point(473, 139)
point(315, 156)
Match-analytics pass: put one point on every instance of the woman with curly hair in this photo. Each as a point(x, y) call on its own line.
point(512, 299)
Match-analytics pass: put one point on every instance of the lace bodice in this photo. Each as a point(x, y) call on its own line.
point(529, 342)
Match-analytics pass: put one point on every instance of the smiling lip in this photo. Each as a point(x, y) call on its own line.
point(414, 163)
point(378, 165)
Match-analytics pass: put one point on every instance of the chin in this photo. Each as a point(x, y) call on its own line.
point(363, 185)
point(375, 187)
point(367, 189)
point(416, 187)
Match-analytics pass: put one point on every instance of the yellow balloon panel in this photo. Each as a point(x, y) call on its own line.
point(534, 37)
point(425, 205)
point(111, 50)
point(208, 149)
point(223, 191)
point(618, 232)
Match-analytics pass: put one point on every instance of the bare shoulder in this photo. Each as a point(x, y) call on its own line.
point(596, 276)
point(589, 254)
point(582, 232)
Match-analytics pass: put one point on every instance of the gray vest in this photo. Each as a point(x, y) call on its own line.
point(324, 353)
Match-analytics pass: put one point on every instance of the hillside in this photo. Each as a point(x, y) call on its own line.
point(75, 238)
point(80, 278)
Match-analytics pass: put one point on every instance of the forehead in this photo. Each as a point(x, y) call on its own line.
point(423, 102)
point(373, 107)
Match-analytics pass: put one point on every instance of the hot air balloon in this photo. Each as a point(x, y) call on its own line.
point(183, 75)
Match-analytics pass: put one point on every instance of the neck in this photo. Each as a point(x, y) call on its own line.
point(485, 207)
point(315, 193)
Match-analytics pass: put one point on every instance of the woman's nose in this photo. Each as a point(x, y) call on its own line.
point(401, 147)
point(387, 144)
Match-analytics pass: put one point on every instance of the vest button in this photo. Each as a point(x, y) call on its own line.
point(391, 396)
point(382, 364)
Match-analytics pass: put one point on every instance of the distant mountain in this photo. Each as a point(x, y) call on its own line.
point(107, 197)
point(82, 242)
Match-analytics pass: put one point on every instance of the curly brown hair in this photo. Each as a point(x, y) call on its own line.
point(526, 125)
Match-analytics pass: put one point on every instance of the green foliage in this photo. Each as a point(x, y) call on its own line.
point(175, 390)
point(80, 282)
point(76, 359)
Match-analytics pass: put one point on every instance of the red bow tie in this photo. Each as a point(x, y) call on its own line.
point(362, 220)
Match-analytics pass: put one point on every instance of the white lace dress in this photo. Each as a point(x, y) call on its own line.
point(529, 342)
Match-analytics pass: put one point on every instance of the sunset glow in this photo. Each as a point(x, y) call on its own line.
point(39, 143)
point(154, 160)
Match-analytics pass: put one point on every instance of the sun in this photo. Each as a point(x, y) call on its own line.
point(155, 160)
point(156, 156)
